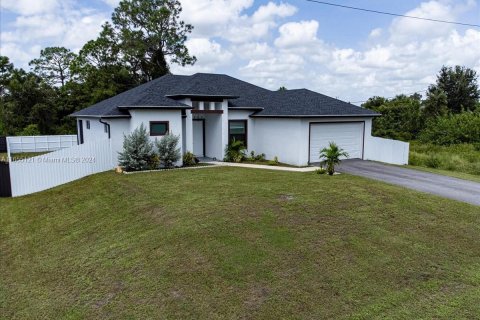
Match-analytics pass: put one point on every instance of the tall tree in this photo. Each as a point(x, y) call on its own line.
point(150, 34)
point(6, 69)
point(436, 103)
point(54, 65)
point(401, 116)
point(460, 86)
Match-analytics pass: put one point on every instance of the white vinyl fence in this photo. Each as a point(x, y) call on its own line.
point(387, 150)
point(55, 168)
point(20, 144)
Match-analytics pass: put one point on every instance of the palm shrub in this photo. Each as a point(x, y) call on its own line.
point(189, 159)
point(235, 151)
point(168, 151)
point(331, 156)
point(137, 151)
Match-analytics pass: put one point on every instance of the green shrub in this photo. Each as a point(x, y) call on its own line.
point(256, 157)
point(168, 150)
point(235, 151)
point(458, 157)
point(137, 151)
point(30, 130)
point(433, 161)
point(154, 162)
point(453, 129)
point(189, 159)
point(476, 146)
point(274, 162)
point(321, 170)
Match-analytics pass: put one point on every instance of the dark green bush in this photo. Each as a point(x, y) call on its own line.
point(453, 129)
point(401, 117)
point(189, 159)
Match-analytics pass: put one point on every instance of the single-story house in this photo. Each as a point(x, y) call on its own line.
point(209, 110)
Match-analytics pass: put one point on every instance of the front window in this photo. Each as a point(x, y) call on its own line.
point(158, 128)
point(237, 130)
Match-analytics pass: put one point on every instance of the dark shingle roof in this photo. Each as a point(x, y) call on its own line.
point(162, 92)
point(304, 102)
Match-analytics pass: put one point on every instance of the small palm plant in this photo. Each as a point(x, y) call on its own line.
point(331, 156)
point(235, 151)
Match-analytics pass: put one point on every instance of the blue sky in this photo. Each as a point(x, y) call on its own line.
point(343, 53)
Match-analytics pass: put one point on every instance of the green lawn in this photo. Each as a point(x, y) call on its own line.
point(237, 243)
point(462, 158)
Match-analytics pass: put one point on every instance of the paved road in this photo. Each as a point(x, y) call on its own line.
point(448, 187)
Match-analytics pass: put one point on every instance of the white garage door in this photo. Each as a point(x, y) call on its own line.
point(348, 135)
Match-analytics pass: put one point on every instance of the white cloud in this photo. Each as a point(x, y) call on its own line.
point(294, 34)
point(408, 30)
point(375, 33)
point(226, 20)
point(210, 53)
point(404, 60)
point(112, 3)
point(64, 24)
point(29, 7)
point(272, 10)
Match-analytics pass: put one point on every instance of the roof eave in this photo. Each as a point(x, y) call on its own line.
point(154, 107)
point(315, 116)
point(191, 95)
point(98, 116)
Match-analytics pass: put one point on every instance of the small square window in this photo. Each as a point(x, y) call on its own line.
point(158, 128)
point(88, 124)
point(195, 105)
point(218, 106)
point(206, 105)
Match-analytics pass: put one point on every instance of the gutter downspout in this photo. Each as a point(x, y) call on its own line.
point(107, 124)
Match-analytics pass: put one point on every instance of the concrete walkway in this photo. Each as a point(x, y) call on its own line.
point(448, 187)
point(261, 166)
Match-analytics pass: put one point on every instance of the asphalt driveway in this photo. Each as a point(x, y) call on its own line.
point(448, 187)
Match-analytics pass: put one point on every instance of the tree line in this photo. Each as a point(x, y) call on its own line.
point(449, 114)
point(137, 46)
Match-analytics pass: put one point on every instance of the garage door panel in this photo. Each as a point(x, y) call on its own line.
point(349, 136)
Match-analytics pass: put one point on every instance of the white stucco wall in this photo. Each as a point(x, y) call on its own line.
point(174, 118)
point(213, 136)
point(96, 131)
point(279, 137)
point(288, 138)
point(118, 127)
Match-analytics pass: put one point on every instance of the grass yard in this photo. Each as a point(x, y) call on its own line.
point(463, 158)
point(237, 243)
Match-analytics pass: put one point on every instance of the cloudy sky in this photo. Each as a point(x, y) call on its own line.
point(346, 54)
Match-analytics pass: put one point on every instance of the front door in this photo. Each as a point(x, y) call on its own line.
point(199, 137)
